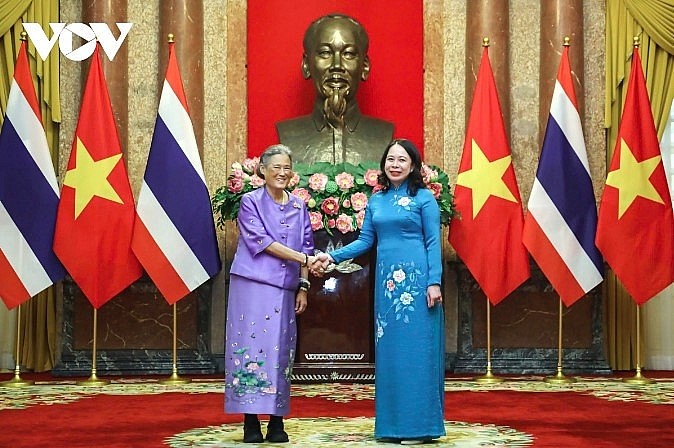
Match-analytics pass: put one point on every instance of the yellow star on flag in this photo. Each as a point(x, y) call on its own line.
point(485, 178)
point(89, 178)
point(632, 179)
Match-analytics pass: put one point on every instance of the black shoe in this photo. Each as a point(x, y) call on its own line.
point(252, 432)
point(275, 432)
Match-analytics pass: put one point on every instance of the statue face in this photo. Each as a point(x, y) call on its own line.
point(334, 60)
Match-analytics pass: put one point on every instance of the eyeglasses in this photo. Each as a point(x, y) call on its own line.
point(279, 168)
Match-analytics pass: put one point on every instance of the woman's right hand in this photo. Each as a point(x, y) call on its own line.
point(319, 263)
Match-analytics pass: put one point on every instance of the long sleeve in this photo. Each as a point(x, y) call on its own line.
point(430, 222)
point(365, 240)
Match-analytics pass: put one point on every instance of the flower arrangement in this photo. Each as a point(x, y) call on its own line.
point(336, 195)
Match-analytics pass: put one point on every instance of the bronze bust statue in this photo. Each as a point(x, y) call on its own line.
point(335, 58)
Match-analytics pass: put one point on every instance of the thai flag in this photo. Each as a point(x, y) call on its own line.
point(29, 195)
point(174, 233)
point(560, 227)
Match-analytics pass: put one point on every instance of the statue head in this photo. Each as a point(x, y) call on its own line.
point(335, 58)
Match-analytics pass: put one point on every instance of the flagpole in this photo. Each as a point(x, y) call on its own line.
point(638, 378)
point(559, 378)
point(174, 378)
point(93, 380)
point(488, 378)
point(17, 381)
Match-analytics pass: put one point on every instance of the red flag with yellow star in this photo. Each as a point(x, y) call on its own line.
point(635, 231)
point(95, 215)
point(487, 235)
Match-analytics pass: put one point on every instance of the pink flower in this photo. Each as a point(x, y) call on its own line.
point(318, 181)
point(358, 201)
point(370, 177)
point(436, 189)
point(234, 184)
point(344, 181)
point(344, 223)
point(331, 223)
point(303, 194)
point(390, 285)
point(256, 181)
point(346, 203)
point(428, 174)
point(294, 181)
point(330, 206)
point(251, 163)
point(316, 220)
point(377, 188)
point(360, 217)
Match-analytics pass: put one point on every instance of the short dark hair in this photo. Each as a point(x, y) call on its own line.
point(415, 179)
point(362, 38)
point(270, 152)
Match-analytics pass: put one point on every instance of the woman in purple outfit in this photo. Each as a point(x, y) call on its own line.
point(267, 288)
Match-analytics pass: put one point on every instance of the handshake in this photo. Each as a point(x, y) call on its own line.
point(320, 263)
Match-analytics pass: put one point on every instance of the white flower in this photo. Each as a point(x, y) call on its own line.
point(406, 298)
point(399, 275)
point(404, 201)
point(380, 331)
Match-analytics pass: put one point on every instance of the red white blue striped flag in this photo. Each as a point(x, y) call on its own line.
point(29, 195)
point(174, 233)
point(560, 227)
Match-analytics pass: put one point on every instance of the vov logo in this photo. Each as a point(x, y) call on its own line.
point(63, 32)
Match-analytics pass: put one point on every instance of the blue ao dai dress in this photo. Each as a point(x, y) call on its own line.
point(409, 336)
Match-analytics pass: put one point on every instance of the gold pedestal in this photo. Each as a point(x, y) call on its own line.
point(175, 379)
point(93, 381)
point(559, 379)
point(488, 378)
point(17, 381)
point(638, 379)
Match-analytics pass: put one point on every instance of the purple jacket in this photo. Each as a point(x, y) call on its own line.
point(262, 221)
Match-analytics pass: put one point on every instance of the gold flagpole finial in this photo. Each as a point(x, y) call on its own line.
point(170, 38)
point(636, 41)
point(567, 41)
point(24, 36)
point(485, 41)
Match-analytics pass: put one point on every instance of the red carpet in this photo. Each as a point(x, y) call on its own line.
point(520, 412)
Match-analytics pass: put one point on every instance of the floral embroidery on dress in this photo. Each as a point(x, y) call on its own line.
point(402, 285)
point(404, 202)
point(249, 378)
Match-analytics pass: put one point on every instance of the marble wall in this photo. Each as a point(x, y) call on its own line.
point(224, 32)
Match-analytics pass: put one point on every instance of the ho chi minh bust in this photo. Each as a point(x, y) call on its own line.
point(335, 57)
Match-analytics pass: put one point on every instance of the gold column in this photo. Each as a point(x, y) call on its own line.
point(116, 71)
point(560, 18)
point(185, 20)
point(489, 18)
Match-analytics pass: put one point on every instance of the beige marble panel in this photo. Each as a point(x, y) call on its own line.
point(524, 71)
point(595, 50)
point(70, 85)
point(144, 86)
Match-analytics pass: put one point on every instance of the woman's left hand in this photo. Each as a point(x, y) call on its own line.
point(300, 301)
point(433, 295)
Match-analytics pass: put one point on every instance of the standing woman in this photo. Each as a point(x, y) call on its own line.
point(267, 288)
point(404, 221)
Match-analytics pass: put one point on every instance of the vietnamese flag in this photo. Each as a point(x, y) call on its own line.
point(95, 215)
point(635, 231)
point(487, 234)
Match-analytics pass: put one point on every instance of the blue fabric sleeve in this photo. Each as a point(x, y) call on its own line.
point(430, 222)
point(364, 242)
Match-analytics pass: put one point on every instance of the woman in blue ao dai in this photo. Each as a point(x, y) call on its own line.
point(403, 220)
